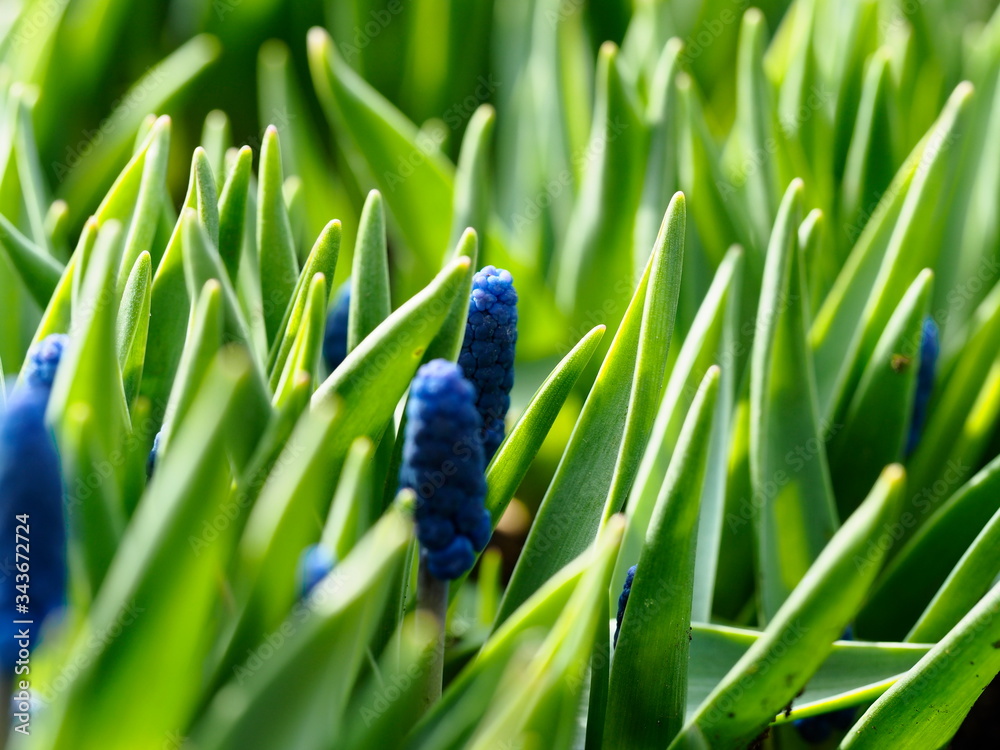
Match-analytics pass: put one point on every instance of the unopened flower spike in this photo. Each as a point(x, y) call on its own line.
point(443, 464)
point(930, 350)
point(623, 600)
point(31, 504)
point(335, 335)
point(487, 356)
point(315, 563)
point(818, 729)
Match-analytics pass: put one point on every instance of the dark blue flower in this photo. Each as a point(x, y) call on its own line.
point(930, 349)
point(43, 359)
point(487, 356)
point(315, 563)
point(818, 729)
point(443, 464)
point(335, 335)
point(151, 460)
point(623, 600)
point(31, 508)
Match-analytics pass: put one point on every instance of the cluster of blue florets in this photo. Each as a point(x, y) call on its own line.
point(335, 333)
point(31, 497)
point(930, 350)
point(443, 464)
point(487, 356)
point(623, 600)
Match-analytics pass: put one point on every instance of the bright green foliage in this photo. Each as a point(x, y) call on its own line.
point(726, 225)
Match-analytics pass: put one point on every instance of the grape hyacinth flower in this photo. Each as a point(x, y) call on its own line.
point(930, 349)
point(151, 460)
point(315, 563)
point(623, 600)
point(443, 463)
point(818, 729)
point(335, 335)
point(487, 356)
point(31, 505)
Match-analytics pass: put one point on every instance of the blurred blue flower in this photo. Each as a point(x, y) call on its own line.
point(151, 460)
point(335, 335)
point(487, 356)
point(31, 507)
point(930, 350)
point(623, 600)
point(443, 463)
point(315, 563)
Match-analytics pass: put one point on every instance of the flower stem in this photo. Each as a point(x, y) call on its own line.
point(432, 597)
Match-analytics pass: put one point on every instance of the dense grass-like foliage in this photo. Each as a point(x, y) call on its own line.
point(757, 325)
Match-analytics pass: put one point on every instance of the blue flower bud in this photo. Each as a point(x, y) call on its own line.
point(43, 359)
point(443, 463)
point(151, 460)
point(487, 356)
point(315, 563)
point(31, 506)
point(930, 349)
point(335, 335)
point(818, 729)
point(623, 600)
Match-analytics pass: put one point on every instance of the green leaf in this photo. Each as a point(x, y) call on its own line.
point(922, 563)
point(514, 456)
point(574, 504)
point(796, 515)
point(279, 269)
point(94, 514)
point(451, 721)
point(864, 446)
point(352, 511)
point(203, 343)
point(448, 343)
point(132, 326)
point(322, 260)
point(471, 202)
point(411, 173)
point(357, 400)
point(648, 692)
point(959, 420)
point(59, 312)
point(800, 636)
point(39, 271)
point(141, 233)
point(395, 686)
point(707, 343)
point(648, 381)
point(545, 710)
point(855, 671)
point(154, 89)
point(968, 582)
point(951, 678)
point(370, 300)
point(233, 212)
point(298, 697)
point(304, 356)
point(597, 251)
point(160, 591)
